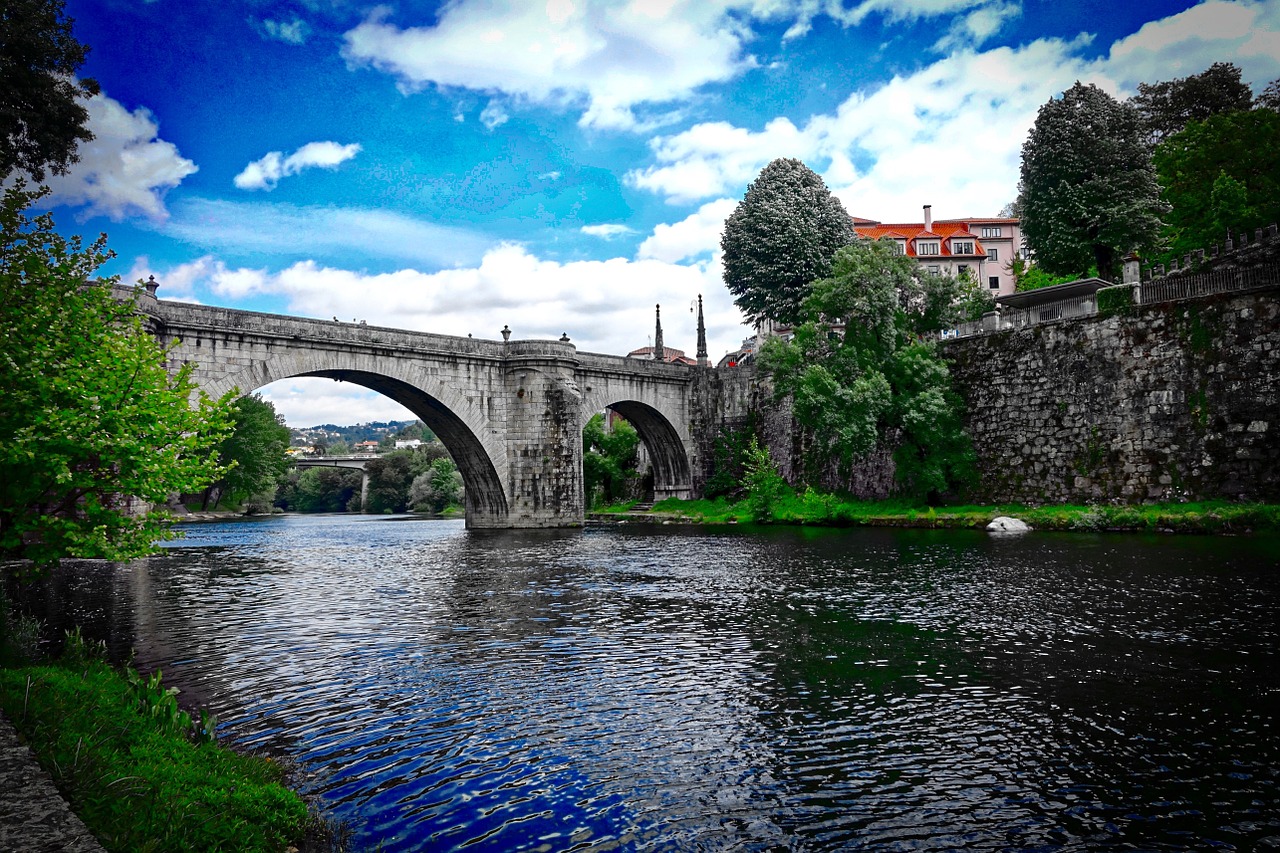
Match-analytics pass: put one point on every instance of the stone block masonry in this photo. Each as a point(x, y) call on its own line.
point(1173, 401)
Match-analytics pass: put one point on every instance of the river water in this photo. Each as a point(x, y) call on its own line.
point(643, 687)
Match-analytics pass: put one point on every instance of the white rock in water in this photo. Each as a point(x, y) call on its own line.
point(1005, 524)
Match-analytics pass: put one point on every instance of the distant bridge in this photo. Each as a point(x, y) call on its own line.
point(510, 412)
point(355, 462)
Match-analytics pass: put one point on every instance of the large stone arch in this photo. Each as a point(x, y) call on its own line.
point(668, 447)
point(453, 417)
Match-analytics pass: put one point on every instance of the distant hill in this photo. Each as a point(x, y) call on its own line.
point(330, 433)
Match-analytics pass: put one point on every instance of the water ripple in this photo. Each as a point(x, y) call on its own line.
point(660, 688)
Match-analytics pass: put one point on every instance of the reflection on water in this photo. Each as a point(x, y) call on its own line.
point(667, 688)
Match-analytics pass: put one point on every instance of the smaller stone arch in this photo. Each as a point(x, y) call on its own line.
point(446, 412)
point(672, 473)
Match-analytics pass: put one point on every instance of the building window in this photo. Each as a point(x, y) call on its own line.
point(993, 282)
point(962, 247)
point(926, 248)
point(935, 269)
point(993, 254)
point(898, 247)
point(991, 231)
point(962, 270)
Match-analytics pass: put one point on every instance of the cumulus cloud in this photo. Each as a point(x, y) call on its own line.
point(125, 170)
point(1246, 32)
point(264, 174)
point(309, 401)
point(695, 236)
point(610, 56)
point(950, 133)
point(604, 306)
point(607, 231)
point(290, 32)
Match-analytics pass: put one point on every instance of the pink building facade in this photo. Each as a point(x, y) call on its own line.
point(981, 247)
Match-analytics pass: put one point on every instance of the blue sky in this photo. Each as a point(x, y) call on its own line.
point(562, 166)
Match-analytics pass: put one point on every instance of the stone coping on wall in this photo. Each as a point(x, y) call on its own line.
point(34, 817)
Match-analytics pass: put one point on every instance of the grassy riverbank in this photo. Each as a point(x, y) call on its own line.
point(830, 510)
point(134, 767)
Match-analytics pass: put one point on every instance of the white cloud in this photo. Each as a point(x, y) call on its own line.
point(696, 235)
point(307, 401)
point(950, 134)
point(177, 282)
point(609, 56)
point(1244, 32)
point(604, 306)
point(494, 115)
point(977, 26)
point(291, 32)
point(125, 169)
point(289, 230)
point(264, 174)
point(607, 231)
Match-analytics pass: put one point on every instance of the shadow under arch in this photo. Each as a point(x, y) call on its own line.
point(671, 471)
point(486, 502)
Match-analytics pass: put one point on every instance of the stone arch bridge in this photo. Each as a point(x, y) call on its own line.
point(511, 413)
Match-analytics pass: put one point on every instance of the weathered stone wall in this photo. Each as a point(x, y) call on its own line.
point(1180, 400)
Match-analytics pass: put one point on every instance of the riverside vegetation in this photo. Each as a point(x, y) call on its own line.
point(143, 774)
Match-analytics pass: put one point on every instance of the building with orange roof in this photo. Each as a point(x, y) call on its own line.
point(982, 247)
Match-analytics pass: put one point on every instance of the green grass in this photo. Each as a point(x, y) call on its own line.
point(614, 509)
point(811, 507)
point(123, 755)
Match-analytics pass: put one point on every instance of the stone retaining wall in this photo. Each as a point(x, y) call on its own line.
point(1181, 400)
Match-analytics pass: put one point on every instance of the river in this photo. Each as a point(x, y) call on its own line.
point(644, 687)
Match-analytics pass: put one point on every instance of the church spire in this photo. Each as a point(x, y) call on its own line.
point(658, 353)
point(703, 361)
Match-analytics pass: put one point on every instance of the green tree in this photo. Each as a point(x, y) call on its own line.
point(389, 476)
point(253, 454)
point(1028, 276)
point(608, 459)
point(780, 239)
point(438, 488)
point(764, 486)
point(1270, 97)
point(1088, 192)
point(861, 368)
point(320, 490)
point(1166, 108)
point(42, 119)
point(90, 416)
point(1220, 174)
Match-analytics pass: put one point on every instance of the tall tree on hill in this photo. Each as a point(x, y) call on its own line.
point(1168, 107)
point(781, 239)
point(42, 119)
point(1088, 191)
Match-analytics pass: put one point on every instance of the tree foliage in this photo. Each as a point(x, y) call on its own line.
point(90, 416)
point(42, 119)
point(861, 368)
point(608, 459)
point(320, 490)
point(1166, 108)
point(1270, 97)
point(780, 239)
point(438, 488)
point(1088, 191)
point(1220, 175)
point(253, 454)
